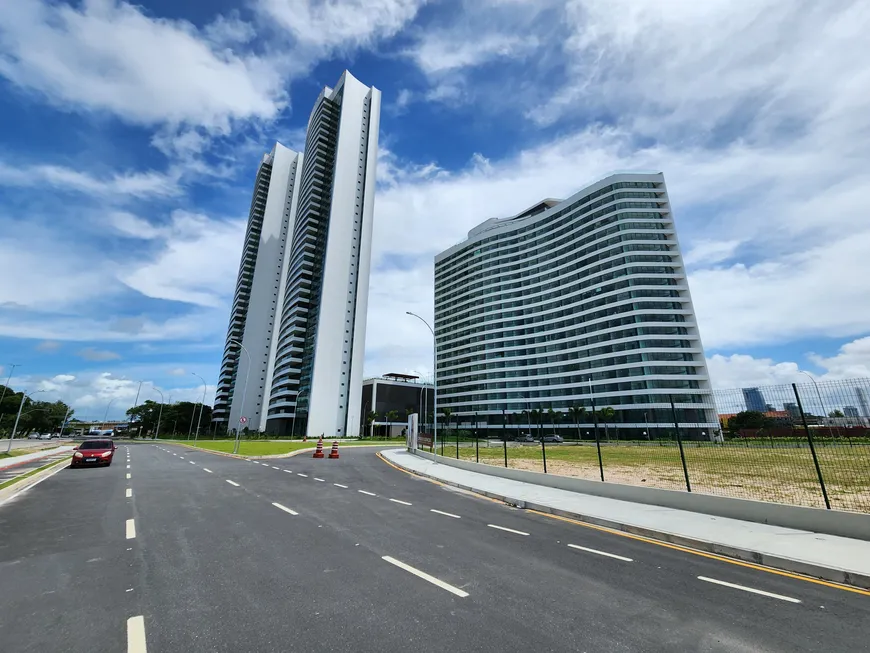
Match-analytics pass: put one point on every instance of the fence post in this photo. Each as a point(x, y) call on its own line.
point(680, 444)
point(812, 446)
point(504, 434)
point(597, 439)
point(476, 443)
point(543, 445)
point(457, 443)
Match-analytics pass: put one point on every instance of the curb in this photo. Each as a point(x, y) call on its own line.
point(274, 455)
point(15, 489)
point(747, 555)
point(30, 460)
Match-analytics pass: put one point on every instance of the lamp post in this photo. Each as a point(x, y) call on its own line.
point(244, 395)
point(106, 416)
point(434, 380)
point(63, 423)
point(201, 405)
point(18, 417)
point(159, 415)
point(8, 380)
point(818, 394)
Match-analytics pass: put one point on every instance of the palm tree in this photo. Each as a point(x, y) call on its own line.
point(371, 418)
point(391, 416)
point(535, 414)
point(555, 416)
point(446, 413)
point(577, 413)
point(606, 413)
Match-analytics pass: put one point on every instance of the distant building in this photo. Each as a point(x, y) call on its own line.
point(861, 393)
point(402, 393)
point(754, 400)
point(792, 409)
point(850, 411)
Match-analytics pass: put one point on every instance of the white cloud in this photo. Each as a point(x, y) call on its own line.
point(94, 354)
point(178, 371)
point(710, 252)
point(197, 264)
point(343, 25)
point(437, 53)
point(132, 226)
point(134, 184)
point(48, 346)
point(107, 55)
point(852, 361)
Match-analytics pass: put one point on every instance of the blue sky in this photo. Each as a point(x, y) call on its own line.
point(131, 135)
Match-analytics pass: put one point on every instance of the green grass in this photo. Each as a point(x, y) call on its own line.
point(270, 448)
point(783, 472)
point(19, 452)
point(31, 473)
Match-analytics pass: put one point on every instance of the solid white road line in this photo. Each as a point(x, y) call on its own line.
point(422, 574)
point(303, 475)
point(404, 503)
point(233, 483)
point(131, 529)
point(285, 508)
point(207, 469)
point(371, 494)
point(59, 467)
point(340, 485)
point(509, 530)
point(136, 635)
point(750, 589)
point(129, 492)
point(319, 479)
point(446, 514)
point(128, 474)
point(601, 553)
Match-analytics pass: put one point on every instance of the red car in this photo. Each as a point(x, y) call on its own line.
point(93, 452)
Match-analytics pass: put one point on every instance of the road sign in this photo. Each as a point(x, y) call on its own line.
point(243, 420)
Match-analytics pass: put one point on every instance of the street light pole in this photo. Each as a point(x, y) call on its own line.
point(434, 380)
point(63, 423)
point(17, 417)
point(201, 405)
point(8, 380)
point(159, 415)
point(106, 416)
point(244, 395)
point(818, 394)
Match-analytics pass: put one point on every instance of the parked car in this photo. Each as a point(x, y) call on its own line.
point(524, 437)
point(553, 438)
point(33, 436)
point(97, 451)
point(45, 436)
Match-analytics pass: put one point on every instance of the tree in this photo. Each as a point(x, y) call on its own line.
point(371, 417)
point(749, 419)
point(145, 415)
point(554, 417)
point(446, 413)
point(836, 413)
point(577, 413)
point(392, 416)
point(535, 415)
point(605, 414)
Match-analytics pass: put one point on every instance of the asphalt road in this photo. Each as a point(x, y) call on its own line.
point(19, 469)
point(299, 554)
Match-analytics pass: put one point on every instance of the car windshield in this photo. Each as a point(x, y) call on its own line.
point(96, 444)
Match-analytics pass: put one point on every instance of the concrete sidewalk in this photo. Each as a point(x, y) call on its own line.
point(838, 559)
point(36, 455)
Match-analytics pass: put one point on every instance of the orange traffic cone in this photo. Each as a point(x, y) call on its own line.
point(319, 452)
point(334, 452)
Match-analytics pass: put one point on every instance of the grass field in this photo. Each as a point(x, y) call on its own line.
point(784, 474)
point(18, 452)
point(274, 447)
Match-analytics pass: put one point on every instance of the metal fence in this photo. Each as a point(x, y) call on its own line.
point(800, 444)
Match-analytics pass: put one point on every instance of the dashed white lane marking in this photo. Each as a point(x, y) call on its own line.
point(191, 462)
point(300, 474)
point(256, 462)
point(233, 483)
point(129, 492)
point(175, 454)
point(446, 514)
point(371, 494)
point(136, 635)
point(285, 508)
point(273, 467)
point(601, 553)
point(404, 503)
point(131, 529)
point(750, 589)
point(181, 457)
point(340, 485)
point(128, 474)
point(128, 466)
point(422, 574)
point(207, 470)
point(289, 471)
point(509, 530)
point(319, 479)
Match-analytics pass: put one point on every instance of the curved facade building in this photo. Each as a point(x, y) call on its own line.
point(570, 302)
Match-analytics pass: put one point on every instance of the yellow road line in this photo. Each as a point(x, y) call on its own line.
point(677, 547)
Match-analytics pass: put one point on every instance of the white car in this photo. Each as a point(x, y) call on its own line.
point(45, 436)
point(33, 436)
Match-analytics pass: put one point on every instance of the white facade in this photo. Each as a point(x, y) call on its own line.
point(570, 302)
point(308, 299)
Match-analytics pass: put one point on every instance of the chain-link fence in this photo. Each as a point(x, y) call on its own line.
point(801, 444)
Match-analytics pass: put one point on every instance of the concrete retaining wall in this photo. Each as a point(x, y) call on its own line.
point(819, 520)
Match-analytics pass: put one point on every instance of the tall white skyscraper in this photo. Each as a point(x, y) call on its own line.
point(302, 292)
point(572, 302)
